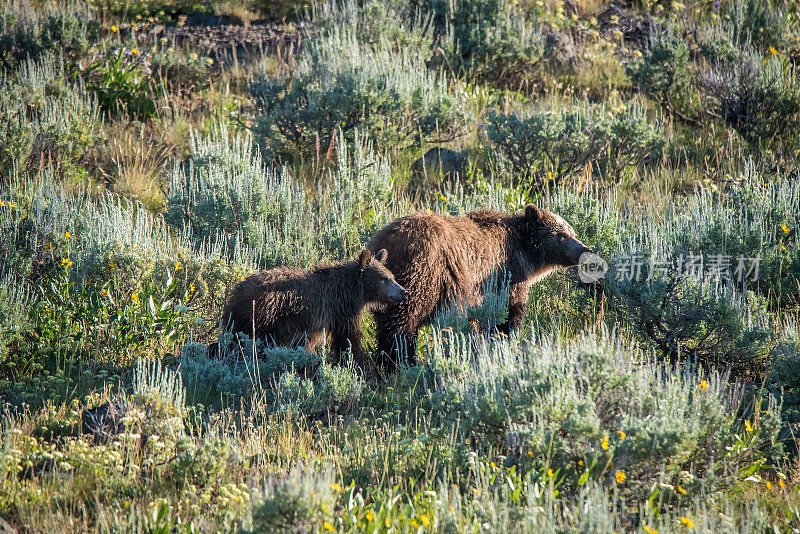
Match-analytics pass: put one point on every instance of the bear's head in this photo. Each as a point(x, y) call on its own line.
point(378, 283)
point(552, 238)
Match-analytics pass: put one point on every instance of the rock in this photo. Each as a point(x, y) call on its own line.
point(6, 528)
point(636, 29)
point(560, 47)
point(436, 165)
point(104, 421)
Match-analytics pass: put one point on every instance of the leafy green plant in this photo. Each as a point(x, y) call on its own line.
point(121, 79)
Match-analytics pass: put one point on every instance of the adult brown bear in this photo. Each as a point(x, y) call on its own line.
point(442, 258)
point(291, 307)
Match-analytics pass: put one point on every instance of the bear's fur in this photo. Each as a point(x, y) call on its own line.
point(441, 259)
point(292, 307)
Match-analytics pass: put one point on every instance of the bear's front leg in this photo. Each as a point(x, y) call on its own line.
point(517, 301)
point(347, 336)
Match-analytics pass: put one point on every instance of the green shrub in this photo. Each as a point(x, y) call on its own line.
point(683, 318)
point(341, 84)
point(46, 120)
point(488, 39)
point(199, 465)
point(226, 194)
point(296, 503)
point(548, 145)
point(577, 407)
point(65, 28)
point(667, 75)
point(758, 98)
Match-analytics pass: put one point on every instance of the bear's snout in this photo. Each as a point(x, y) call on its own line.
point(576, 250)
point(400, 294)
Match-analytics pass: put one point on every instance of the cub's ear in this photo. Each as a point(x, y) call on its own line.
point(382, 255)
point(532, 212)
point(364, 258)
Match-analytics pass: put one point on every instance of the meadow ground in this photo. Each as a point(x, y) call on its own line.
point(154, 153)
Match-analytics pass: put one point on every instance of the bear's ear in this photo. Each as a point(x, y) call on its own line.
point(532, 212)
point(364, 258)
point(382, 255)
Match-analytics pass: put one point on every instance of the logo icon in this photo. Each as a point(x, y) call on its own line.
point(591, 268)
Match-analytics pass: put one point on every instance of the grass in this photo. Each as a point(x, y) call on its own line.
point(664, 404)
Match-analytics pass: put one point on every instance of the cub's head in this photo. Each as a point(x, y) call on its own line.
point(552, 240)
point(377, 281)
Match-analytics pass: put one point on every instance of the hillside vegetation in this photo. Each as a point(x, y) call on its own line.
point(154, 153)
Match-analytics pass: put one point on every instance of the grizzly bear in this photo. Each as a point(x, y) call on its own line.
point(292, 307)
point(441, 259)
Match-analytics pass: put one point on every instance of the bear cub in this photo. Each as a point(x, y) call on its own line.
point(292, 307)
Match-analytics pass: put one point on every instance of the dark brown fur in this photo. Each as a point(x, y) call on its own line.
point(292, 307)
point(440, 259)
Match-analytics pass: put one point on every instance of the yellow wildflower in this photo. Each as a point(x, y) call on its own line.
point(492, 464)
point(327, 526)
point(443, 198)
point(622, 435)
point(748, 426)
point(688, 522)
point(650, 530)
point(773, 51)
point(769, 485)
point(65, 262)
point(424, 519)
point(369, 516)
point(67, 235)
point(336, 487)
point(781, 483)
point(387, 522)
point(785, 229)
point(414, 523)
point(135, 298)
point(703, 384)
point(530, 454)
point(620, 476)
point(178, 266)
point(2, 204)
point(191, 287)
point(550, 473)
point(681, 490)
point(104, 292)
point(604, 444)
point(580, 462)
point(114, 28)
point(135, 51)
